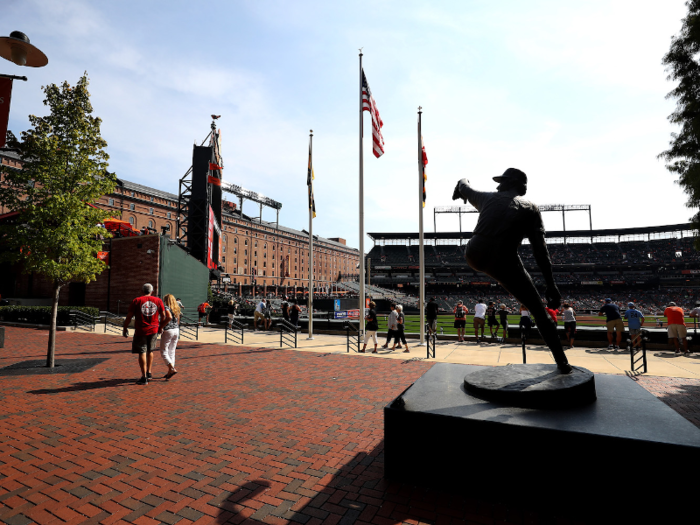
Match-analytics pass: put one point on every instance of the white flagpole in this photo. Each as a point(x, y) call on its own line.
point(421, 273)
point(311, 243)
point(362, 222)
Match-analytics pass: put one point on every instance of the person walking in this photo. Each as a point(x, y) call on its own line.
point(569, 324)
point(391, 326)
point(149, 315)
point(401, 327)
point(479, 318)
point(503, 314)
point(431, 313)
point(460, 313)
point(371, 327)
point(635, 321)
point(676, 326)
point(170, 335)
point(613, 321)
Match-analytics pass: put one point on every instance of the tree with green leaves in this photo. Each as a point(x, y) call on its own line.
point(683, 66)
point(57, 233)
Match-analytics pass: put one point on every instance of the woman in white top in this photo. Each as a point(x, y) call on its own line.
point(171, 333)
point(569, 324)
point(525, 322)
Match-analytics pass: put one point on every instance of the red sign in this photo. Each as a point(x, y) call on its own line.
point(353, 314)
point(103, 256)
point(5, 93)
point(210, 240)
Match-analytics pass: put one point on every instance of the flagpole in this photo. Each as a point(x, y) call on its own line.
point(362, 222)
point(311, 244)
point(421, 273)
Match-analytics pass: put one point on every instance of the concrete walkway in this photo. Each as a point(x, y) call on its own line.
point(662, 363)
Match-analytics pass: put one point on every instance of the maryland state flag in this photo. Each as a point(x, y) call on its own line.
point(310, 183)
point(424, 163)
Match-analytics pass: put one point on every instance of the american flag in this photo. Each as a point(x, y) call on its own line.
point(368, 104)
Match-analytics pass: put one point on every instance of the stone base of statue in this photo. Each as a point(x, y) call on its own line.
point(592, 461)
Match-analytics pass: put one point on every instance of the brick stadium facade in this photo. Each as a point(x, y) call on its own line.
point(252, 250)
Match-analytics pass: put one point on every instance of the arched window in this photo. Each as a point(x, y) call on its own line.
point(132, 221)
point(150, 224)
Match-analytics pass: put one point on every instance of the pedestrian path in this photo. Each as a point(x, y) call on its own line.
point(663, 363)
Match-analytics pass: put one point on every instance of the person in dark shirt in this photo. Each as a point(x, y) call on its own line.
point(371, 327)
point(613, 320)
point(491, 319)
point(431, 313)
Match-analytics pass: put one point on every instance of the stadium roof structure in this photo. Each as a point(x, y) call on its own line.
point(615, 232)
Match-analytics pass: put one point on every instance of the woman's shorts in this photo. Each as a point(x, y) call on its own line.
point(570, 327)
point(460, 323)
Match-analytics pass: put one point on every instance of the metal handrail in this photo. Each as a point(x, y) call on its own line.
point(430, 341)
point(349, 326)
point(639, 362)
point(234, 326)
point(186, 328)
point(109, 317)
point(286, 330)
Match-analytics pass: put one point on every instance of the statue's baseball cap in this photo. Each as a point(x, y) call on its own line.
point(512, 174)
point(672, 303)
point(608, 300)
point(631, 305)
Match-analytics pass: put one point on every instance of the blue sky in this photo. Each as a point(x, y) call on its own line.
point(571, 93)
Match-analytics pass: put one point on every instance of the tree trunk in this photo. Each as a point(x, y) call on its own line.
point(52, 327)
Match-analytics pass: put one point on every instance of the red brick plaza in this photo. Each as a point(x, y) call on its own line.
point(240, 435)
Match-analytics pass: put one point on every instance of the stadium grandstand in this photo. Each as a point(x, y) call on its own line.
point(650, 266)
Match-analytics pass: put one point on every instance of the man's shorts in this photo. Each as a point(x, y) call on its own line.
point(143, 343)
point(432, 324)
point(634, 332)
point(460, 323)
point(570, 327)
point(493, 321)
point(677, 331)
point(615, 324)
point(257, 315)
point(479, 321)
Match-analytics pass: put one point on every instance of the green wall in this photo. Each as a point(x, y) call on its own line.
point(183, 276)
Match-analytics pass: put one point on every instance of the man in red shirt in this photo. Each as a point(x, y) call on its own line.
point(150, 316)
point(676, 326)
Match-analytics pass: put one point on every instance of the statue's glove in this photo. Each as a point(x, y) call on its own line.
point(553, 297)
point(457, 194)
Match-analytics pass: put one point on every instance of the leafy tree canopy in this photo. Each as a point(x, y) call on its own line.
point(64, 170)
point(683, 66)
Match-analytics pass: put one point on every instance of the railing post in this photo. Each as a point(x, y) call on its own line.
point(226, 334)
point(197, 336)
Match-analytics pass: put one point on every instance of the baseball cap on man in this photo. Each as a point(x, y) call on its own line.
point(512, 174)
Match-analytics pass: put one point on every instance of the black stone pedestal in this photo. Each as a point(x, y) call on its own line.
point(611, 460)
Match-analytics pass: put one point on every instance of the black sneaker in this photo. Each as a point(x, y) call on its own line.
point(149, 375)
point(142, 381)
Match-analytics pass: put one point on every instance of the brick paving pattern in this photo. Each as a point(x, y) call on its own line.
point(240, 435)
